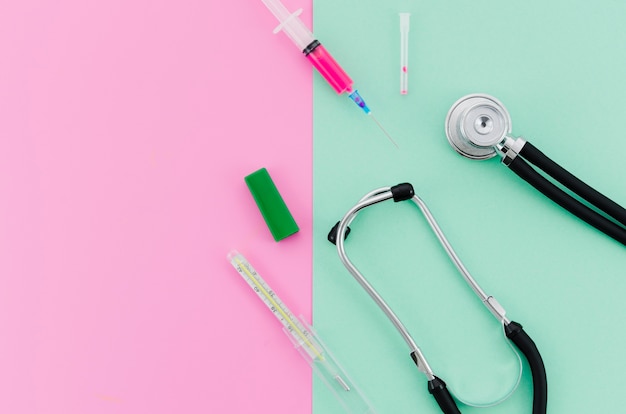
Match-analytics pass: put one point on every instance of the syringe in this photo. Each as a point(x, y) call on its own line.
point(308, 344)
point(317, 54)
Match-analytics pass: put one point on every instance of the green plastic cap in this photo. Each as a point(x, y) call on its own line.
point(272, 206)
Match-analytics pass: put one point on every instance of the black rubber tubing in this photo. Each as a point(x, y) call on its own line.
point(520, 338)
point(437, 387)
point(528, 173)
point(545, 163)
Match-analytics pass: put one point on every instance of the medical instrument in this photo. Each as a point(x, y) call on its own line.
point(513, 330)
point(404, 52)
point(319, 57)
point(479, 127)
point(305, 340)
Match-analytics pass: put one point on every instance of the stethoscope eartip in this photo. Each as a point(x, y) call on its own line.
point(475, 124)
point(332, 234)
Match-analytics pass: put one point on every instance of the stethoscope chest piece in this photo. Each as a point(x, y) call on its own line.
point(475, 124)
point(479, 127)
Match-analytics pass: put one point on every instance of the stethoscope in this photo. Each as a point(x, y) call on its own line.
point(479, 127)
point(513, 330)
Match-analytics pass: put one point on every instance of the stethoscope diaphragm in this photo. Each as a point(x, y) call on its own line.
point(475, 124)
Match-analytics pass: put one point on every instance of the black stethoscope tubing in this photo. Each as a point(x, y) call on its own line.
point(520, 167)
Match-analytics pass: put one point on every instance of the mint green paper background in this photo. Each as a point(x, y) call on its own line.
point(559, 68)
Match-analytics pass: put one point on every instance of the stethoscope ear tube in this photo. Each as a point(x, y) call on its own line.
point(525, 344)
point(528, 173)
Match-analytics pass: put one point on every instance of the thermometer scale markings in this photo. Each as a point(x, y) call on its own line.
point(272, 301)
point(305, 340)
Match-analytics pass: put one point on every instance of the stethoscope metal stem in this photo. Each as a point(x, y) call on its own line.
point(382, 194)
point(490, 302)
point(377, 196)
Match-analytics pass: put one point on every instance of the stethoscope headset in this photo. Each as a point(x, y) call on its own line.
point(479, 127)
point(513, 330)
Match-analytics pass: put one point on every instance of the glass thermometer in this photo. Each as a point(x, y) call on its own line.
point(305, 340)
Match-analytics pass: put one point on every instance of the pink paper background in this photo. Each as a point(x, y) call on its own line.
point(126, 129)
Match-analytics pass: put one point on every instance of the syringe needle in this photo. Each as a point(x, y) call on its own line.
point(357, 99)
point(383, 129)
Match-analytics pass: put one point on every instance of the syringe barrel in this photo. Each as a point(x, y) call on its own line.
point(291, 24)
point(302, 37)
point(330, 70)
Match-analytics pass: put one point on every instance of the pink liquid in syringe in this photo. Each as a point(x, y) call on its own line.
point(330, 70)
